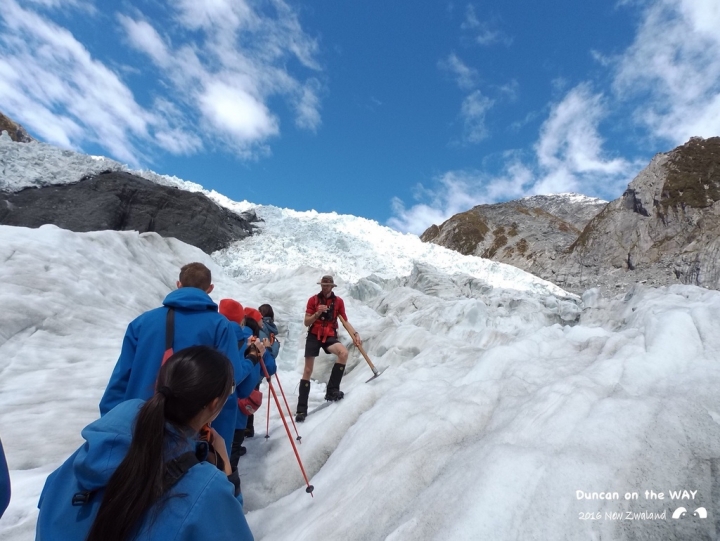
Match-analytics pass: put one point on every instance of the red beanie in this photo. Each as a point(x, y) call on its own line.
point(231, 309)
point(252, 313)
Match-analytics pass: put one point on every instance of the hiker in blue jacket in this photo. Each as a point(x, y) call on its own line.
point(245, 327)
point(267, 332)
point(197, 322)
point(268, 329)
point(4, 482)
point(141, 473)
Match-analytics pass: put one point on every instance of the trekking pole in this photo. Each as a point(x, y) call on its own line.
point(362, 350)
point(299, 437)
point(309, 488)
point(267, 428)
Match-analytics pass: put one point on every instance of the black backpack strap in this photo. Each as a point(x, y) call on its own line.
point(81, 498)
point(174, 471)
point(178, 467)
point(169, 328)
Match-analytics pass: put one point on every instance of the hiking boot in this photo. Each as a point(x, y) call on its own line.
point(250, 432)
point(302, 406)
point(333, 387)
point(237, 449)
point(334, 395)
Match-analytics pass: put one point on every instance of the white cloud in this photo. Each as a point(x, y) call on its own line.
point(145, 38)
point(510, 90)
point(483, 33)
point(308, 106)
point(218, 64)
point(475, 105)
point(568, 157)
point(84, 5)
point(570, 138)
point(669, 78)
point(467, 78)
point(672, 70)
point(474, 108)
point(213, 14)
point(458, 191)
point(233, 67)
point(60, 92)
point(236, 111)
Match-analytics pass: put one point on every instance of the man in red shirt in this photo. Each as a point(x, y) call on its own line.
point(321, 316)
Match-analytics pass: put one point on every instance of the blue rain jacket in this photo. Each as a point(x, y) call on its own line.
point(243, 333)
point(197, 323)
point(4, 482)
point(200, 506)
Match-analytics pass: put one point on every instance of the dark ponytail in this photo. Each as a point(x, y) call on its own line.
point(187, 383)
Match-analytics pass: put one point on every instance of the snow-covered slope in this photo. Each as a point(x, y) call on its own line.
point(501, 399)
point(353, 247)
point(496, 407)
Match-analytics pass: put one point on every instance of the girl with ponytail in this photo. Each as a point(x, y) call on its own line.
point(142, 474)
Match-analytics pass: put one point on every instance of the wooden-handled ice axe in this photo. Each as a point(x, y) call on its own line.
point(362, 350)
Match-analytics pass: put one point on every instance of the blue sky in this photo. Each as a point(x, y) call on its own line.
point(405, 112)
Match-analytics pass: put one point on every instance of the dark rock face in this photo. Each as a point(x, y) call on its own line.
point(16, 131)
point(121, 201)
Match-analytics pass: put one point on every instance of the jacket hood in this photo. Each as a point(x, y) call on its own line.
point(190, 298)
point(107, 441)
point(269, 325)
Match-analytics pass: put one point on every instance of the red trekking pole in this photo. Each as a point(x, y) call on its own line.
point(309, 488)
point(267, 428)
point(299, 437)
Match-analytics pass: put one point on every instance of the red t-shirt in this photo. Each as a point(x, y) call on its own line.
point(323, 329)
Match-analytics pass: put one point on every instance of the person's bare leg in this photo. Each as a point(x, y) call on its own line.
point(340, 351)
point(308, 370)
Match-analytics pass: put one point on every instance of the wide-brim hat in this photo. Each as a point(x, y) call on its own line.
point(327, 280)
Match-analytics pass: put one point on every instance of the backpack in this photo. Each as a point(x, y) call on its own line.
point(251, 404)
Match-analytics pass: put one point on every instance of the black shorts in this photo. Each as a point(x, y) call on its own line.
point(313, 344)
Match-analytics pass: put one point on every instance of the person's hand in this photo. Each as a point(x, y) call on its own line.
point(259, 345)
point(320, 309)
point(357, 340)
point(218, 444)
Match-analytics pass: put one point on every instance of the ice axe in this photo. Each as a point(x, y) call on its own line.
point(375, 371)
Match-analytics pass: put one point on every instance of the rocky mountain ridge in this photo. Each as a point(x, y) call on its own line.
point(529, 233)
point(16, 131)
point(664, 229)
